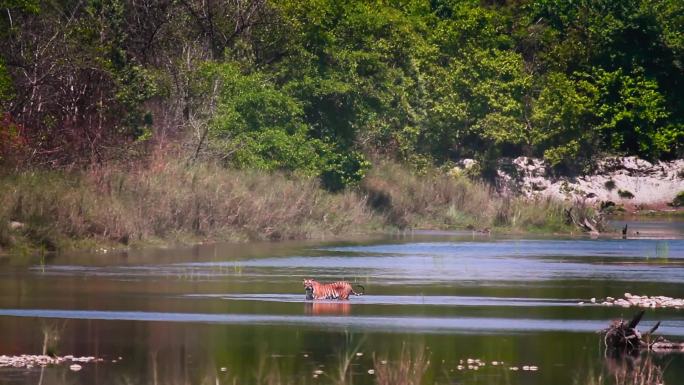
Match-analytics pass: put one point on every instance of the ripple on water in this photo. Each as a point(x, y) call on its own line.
point(422, 300)
point(466, 325)
point(439, 262)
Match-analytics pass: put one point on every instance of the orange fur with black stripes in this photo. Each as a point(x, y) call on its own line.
point(335, 290)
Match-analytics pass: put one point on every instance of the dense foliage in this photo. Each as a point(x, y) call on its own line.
point(319, 86)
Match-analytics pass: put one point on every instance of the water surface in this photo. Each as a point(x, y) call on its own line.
point(179, 316)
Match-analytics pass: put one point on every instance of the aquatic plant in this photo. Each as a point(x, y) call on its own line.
point(627, 371)
point(409, 369)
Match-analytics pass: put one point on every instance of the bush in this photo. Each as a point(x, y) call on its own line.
point(610, 185)
point(258, 126)
point(625, 194)
point(678, 201)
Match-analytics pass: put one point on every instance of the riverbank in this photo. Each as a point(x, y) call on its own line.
point(164, 202)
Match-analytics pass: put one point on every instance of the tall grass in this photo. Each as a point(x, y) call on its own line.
point(167, 200)
point(438, 200)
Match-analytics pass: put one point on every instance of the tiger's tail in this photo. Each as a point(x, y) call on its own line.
point(362, 292)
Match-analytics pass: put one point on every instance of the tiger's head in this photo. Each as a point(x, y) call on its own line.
point(309, 288)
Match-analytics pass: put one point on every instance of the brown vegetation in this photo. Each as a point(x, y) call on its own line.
point(168, 200)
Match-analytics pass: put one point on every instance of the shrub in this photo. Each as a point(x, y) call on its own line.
point(678, 201)
point(256, 125)
point(625, 194)
point(610, 185)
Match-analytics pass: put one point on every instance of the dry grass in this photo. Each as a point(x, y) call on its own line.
point(164, 201)
point(434, 199)
point(439, 200)
point(167, 200)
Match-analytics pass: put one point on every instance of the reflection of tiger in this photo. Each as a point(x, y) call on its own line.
point(335, 290)
point(327, 308)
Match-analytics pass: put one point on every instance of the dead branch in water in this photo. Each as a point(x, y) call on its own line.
point(623, 338)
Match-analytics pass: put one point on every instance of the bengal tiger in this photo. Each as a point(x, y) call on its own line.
point(335, 290)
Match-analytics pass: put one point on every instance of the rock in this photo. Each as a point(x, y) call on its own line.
point(650, 184)
point(645, 301)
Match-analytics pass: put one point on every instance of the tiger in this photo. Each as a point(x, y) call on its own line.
point(336, 290)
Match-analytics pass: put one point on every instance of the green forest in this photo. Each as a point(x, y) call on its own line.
point(323, 87)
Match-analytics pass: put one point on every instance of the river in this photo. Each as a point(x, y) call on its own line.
point(236, 313)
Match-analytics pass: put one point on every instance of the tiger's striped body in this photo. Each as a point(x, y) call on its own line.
point(336, 290)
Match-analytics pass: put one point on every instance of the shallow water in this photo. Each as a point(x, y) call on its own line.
point(178, 316)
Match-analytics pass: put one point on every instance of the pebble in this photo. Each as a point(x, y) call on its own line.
point(644, 301)
point(28, 361)
point(477, 364)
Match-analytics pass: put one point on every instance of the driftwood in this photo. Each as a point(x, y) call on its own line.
point(623, 337)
